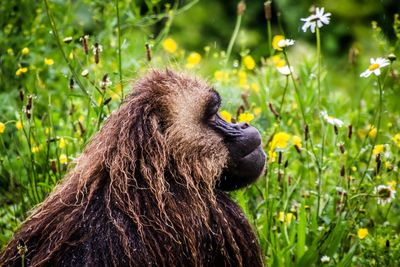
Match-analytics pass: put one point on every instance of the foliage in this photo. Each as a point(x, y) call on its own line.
point(322, 182)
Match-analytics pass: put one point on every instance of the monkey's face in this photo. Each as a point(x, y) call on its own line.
point(230, 153)
point(246, 157)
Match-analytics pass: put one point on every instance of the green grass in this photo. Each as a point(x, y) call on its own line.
point(312, 200)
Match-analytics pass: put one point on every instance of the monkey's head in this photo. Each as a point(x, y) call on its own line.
point(178, 129)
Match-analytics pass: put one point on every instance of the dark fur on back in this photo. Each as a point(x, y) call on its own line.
point(143, 191)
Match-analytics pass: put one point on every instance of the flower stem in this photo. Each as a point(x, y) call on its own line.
point(283, 96)
point(69, 63)
point(318, 39)
point(378, 125)
point(119, 52)
point(233, 38)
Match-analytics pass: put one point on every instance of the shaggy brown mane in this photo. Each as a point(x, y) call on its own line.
point(143, 191)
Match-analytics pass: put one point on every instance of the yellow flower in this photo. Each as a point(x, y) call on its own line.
point(388, 166)
point(257, 111)
point(249, 62)
point(297, 141)
point(62, 143)
point(35, 149)
point(226, 115)
point(170, 45)
point(193, 59)
point(276, 40)
point(2, 127)
point(372, 131)
point(396, 139)
point(378, 149)
point(362, 233)
point(48, 61)
point(255, 87)
point(278, 61)
point(25, 51)
point(286, 218)
point(19, 125)
point(63, 159)
point(10, 51)
point(221, 75)
point(280, 140)
point(392, 184)
point(245, 117)
point(21, 71)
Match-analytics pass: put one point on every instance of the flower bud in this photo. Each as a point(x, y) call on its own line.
point(241, 7)
point(267, 10)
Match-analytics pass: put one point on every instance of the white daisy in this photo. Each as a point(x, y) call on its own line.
point(325, 259)
point(331, 120)
point(286, 42)
point(385, 194)
point(316, 20)
point(285, 70)
point(375, 67)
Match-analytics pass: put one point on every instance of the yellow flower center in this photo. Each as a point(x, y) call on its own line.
point(373, 66)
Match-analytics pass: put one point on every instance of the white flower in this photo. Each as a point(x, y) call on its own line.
point(286, 42)
point(331, 120)
point(375, 67)
point(97, 48)
point(385, 194)
point(316, 20)
point(85, 73)
point(105, 82)
point(285, 70)
point(325, 259)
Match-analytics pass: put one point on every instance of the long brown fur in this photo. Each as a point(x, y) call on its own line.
point(143, 191)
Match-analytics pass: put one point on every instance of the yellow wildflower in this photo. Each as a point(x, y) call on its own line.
point(286, 218)
point(243, 79)
point(276, 40)
point(245, 117)
point(297, 141)
point(388, 166)
point(63, 159)
point(249, 62)
point(62, 143)
point(372, 131)
point(254, 87)
point(221, 75)
point(193, 59)
point(226, 115)
point(35, 149)
point(25, 51)
point(10, 51)
point(19, 125)
point(170, 45)
point(278, 61)
point(280, 140)
point(48, 61)
point(396, 139)
point(21, 71)
point(362, 233)
point(257, 111)
point(2, 127)
point(392, 184)
point(378, 149)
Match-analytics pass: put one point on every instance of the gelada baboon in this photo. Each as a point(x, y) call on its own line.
point(148, 188)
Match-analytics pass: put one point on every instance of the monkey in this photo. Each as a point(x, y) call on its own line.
point(150, 188)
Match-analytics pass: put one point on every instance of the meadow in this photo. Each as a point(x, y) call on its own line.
point(330, 124)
